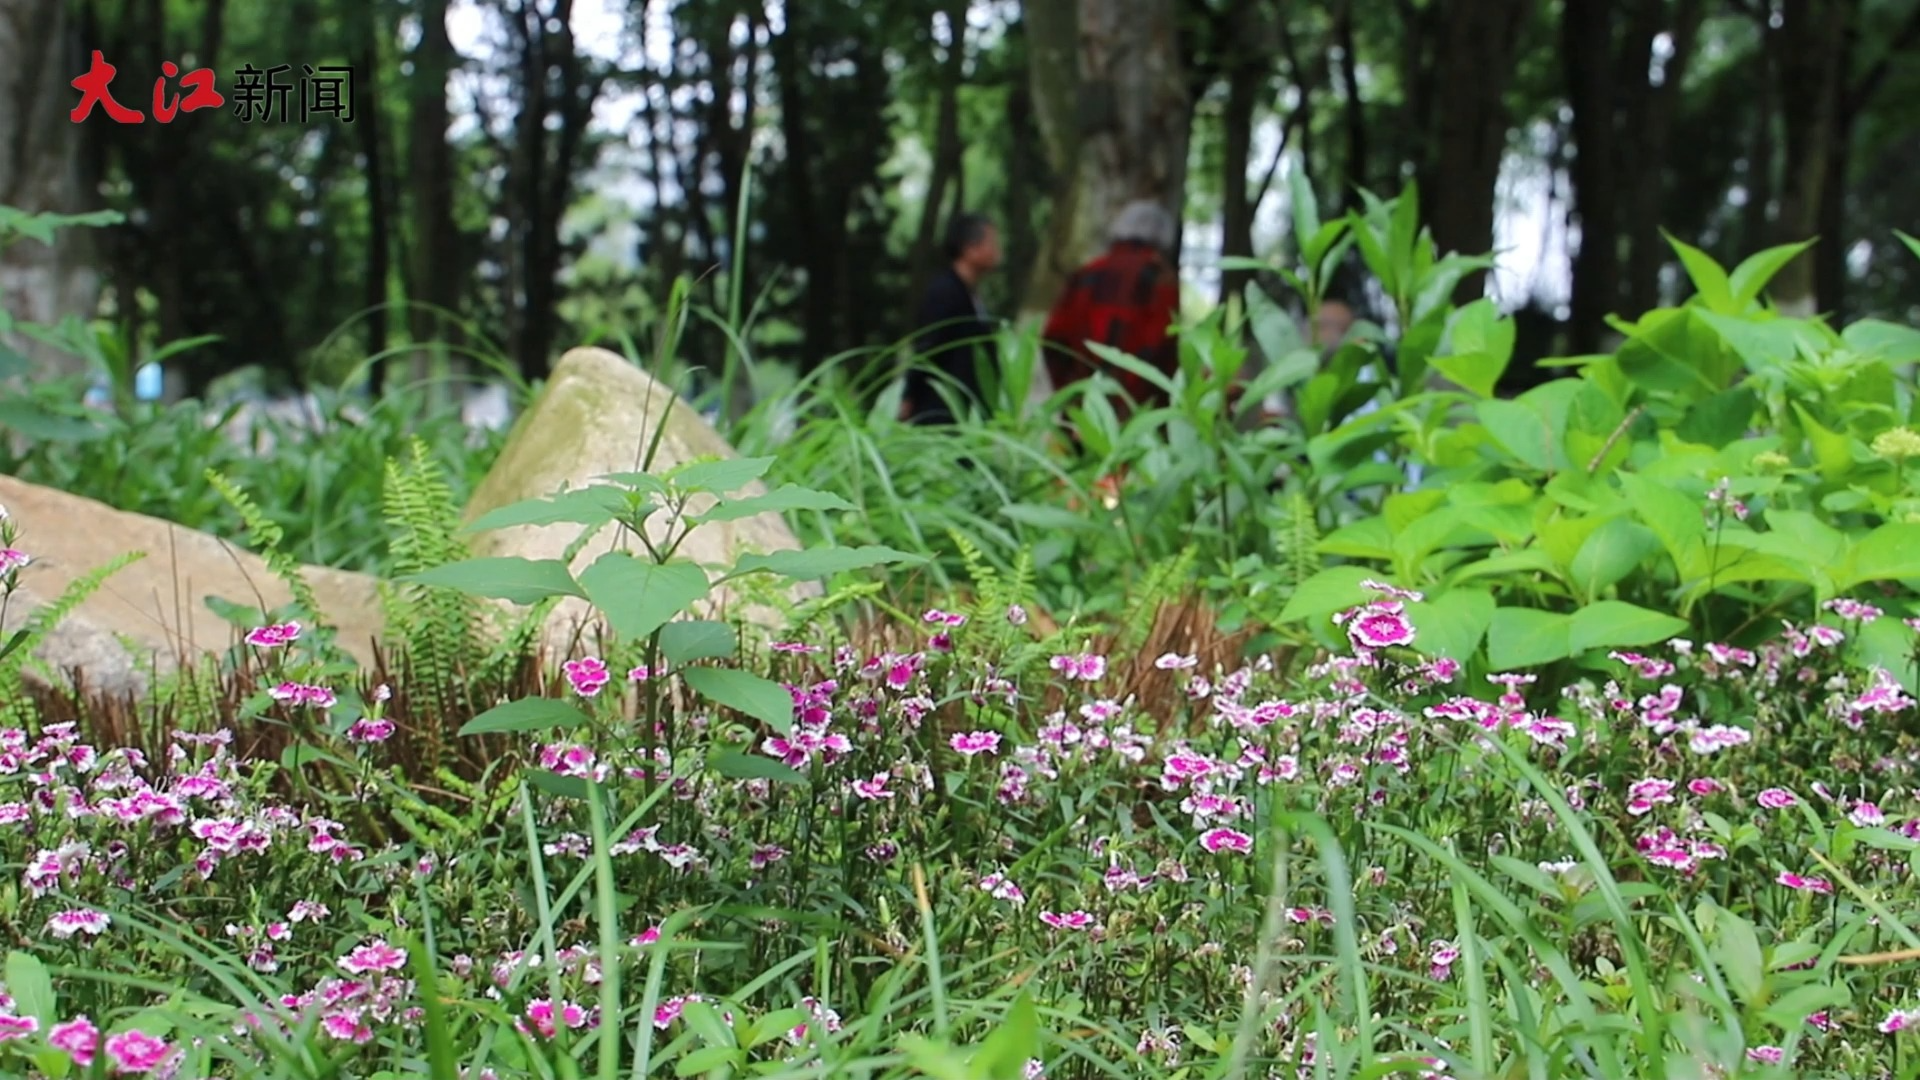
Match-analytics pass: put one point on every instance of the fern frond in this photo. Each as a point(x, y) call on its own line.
point(15, 705)
point(1163, 581)
point(437, 628)
point(1298, 540)
point(266, 536)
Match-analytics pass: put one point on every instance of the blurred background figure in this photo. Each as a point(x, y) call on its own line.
point(955, 334)
point(1125, 298)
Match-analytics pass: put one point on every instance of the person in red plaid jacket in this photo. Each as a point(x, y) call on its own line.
point(1127, 298)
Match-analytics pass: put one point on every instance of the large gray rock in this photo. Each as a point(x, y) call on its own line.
point(596, 416)
point(158, 603)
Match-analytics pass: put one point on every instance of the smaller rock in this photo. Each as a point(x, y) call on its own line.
point(158, 603)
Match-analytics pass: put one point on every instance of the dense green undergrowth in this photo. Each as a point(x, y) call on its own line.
point(1566, 735)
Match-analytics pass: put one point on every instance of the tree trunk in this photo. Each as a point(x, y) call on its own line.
point(1812, 38)
point(1646, 187)
point(814, 235)
point(947, 155)
point(1357, 172)
point(42, 170)
point(1757, 213)
point(1587, 54)
point(366, 109)
point(1475, 54)
point(1247, 71)
point(1113, 105)
point(1028, 174)
point(436, 241)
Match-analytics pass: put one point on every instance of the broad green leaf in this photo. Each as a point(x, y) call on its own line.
point(1526, 561)
point(594, 505)
point(704, 1019)
point(644, 483)
point(1335, 588)
point(1731, 564)
point(1751, 276)
point(1610, 553)
point(1888, 553)
point(720, 476)
point(1451, 624)
point(639, 597)
point(1709, 278)
point(736, 765)
point(1523, 638)
point(556, 785)
point(1509, 492)
point(1737, 950)
point(1886, 643)
point(1616, 624)
point(1671, 351)
point(1315, 401)
point(1790, 1010)
point(1305, 206)
point(1806, 535)
point(775, 1025)
point(762, 699)
point(1450, 526)
point(1675, 518)
point(1479, 347)
point(1720, 419)
point(709, 1059)
point(1913, 245)
point(1562, 538)
point(779, 500)
point(19, 638)
point(689, 640)
point(1129, 363)
point(1832, 451)
point(1013, 1042)
point(823, 562)
point(31, 987)
point(506, 577)
point(1891, 342)
point(1533, 426)
point(526, 714)
point(1763, 344)
point(1403, 508)
point(31, 420)
point(1056, 518)
point(1280, 342)
point(1367, 538)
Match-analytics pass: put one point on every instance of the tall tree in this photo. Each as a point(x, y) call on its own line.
point(1461, 58)
point(1112, 101)
point(1586, 29)
point(373, 155)
point(948, 161)
point(434, 284)
point(1809, 46)
point(42, 170)
point(1240, 41)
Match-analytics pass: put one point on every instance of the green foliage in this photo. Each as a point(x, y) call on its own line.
point(640, 594)
point(266, 536)
point(17, 651)
point(435, 629)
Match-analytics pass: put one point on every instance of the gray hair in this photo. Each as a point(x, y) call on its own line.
point(1146, 221)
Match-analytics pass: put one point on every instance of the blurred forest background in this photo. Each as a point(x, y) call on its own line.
point(521, 176)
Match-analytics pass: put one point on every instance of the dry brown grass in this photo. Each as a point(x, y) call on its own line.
point(426, 718)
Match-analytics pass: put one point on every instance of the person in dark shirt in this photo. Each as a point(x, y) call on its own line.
point(954, 328)
point(1126, 298)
